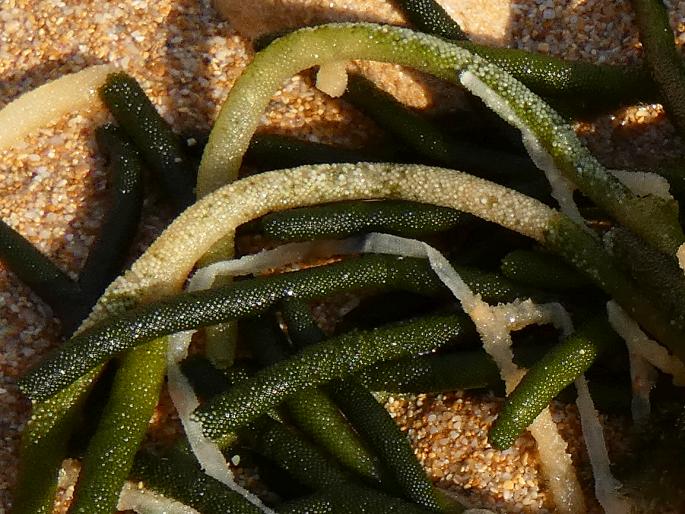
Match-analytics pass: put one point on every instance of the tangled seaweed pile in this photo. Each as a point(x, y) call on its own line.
point(606, 265)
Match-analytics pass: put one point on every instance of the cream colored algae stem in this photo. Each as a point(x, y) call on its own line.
point(680, 254)
point(606, 486)
point(49, 102)
point(144, 501)
point(641, 345)
point(164, 267)
point(557, 466)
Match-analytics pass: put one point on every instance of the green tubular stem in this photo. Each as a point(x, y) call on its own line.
point(190, 310)
point(369, 418)
point(588, 255)
point(652, 218)
point(209, 381)
point(303, 332)
point(346, 498)
point(40, 274)
point(654, 272)
point(542, 270)
point(272, 152)
point(336, 358)
point(281, 445)
point(546, 379)
point(301, 326)
point(123, 425)
point(430, 17)
point(591, 84)
point(44, 447)
point(221, 342)
point(429, 140)
point(553, 77)
point(433, 373)
point(178, 476)
point(662, 57)
point(161, 149)
point(185, 311)
point(107, 256)
point(374, 423)
point(344, 219)
point(440, 373)
point(312, 410)
point(293, 453)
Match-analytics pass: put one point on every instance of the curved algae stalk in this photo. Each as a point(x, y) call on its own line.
point(655, 219)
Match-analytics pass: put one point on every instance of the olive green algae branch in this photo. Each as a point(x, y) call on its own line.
point(547, 378)
point(123, 425)
point(653, 218)
point(429, 16)
point(544, 130)
point(44, 447)
point(547, 75)
point(662, 57)
point(335, 358)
